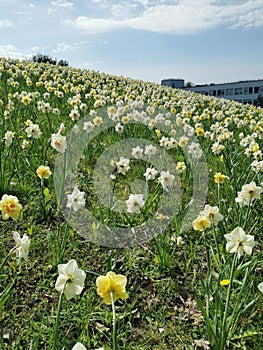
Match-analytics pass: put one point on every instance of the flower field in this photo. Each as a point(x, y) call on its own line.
point(131, 214)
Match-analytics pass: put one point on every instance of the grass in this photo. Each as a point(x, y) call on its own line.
point(169, 283)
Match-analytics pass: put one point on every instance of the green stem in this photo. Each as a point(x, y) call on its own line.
point(5, 259)
point(114, 338)
point(43, 199)
point(217, 247)
point(224, 328)
point(63, 179)
point(55, 338)
point(65, 237)
point(247, 213)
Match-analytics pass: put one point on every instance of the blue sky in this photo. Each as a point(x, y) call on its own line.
point(201, 41)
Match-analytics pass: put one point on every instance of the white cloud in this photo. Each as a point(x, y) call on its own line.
point(186, 17)
point(96, 25)
point(61, 47)
point(60, 4)
point(123, 11)
point(63, 3)
point(11, 51)
point(253, 19)
point(5, 23)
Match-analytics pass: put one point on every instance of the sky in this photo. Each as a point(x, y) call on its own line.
point(202, 41)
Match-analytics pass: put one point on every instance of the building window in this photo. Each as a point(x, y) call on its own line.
point(246, 91)
point(229, 92)
point(250, 89)
point(238, 91)
point(214, 92)
point(220, 92)
point(260, 90)
point(256, 89)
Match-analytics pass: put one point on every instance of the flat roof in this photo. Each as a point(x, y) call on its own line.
point(233, 82)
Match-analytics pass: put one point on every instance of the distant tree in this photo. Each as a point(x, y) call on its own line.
point(189, 84)
point(63, 63)
point(43, 58)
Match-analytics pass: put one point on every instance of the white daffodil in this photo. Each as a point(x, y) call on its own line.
point(88, 127)
point(79, 346)
point(150, 173)
point(123, 165)
point(213, 214)
point(137, 152)
point(260, 287)
point(76, 199)
point(71, 279)
point(166, 179)
point(150, 150)
point(135, 203)
point(33, 131)
point(248, 193)
point(239, 242)
point(22, 246)
point(58, 142)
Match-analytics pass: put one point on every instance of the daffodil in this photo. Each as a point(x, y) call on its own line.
point(111, 283)
point(22, 246)
point(43, 172)
point(76, 199)
point(219, 178)
point(239, 242)
point(224, 282)
point(248, 193)
point(10, 207)
point(58, 142)
point(201, 223)
point(213, 214)
point(70, 281)
point(166, 179)
point(79, 346)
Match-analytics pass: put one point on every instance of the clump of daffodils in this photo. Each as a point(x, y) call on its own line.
point(209, 216)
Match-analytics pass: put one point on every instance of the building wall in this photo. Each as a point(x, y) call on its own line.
point(174, 83)
point(241, 91)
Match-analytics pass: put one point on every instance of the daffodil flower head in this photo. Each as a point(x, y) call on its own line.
point(248, 193)
point(10, 207)
point(79, 346)
point(224, 282)
point(219, 178)
point(71, 279)
point(239, 242)
point(201, 223)
point(111, 283)
point(43, 172)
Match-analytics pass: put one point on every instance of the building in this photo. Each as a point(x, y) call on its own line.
point(174, 83)
point(247, 91)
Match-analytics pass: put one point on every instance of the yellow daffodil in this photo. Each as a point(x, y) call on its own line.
point(10, 207)
point(219, 178)
point(201, 223)
point(43, 172)
point(224, 282)
point(111, 283)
